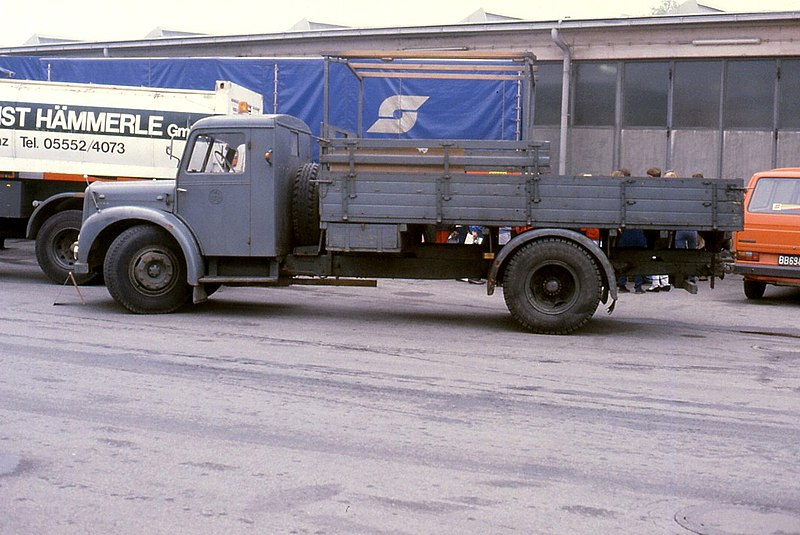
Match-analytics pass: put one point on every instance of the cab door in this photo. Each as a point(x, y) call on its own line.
point(213, 195)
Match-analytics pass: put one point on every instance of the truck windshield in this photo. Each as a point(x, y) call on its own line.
point(776, 195)
point(217, 153)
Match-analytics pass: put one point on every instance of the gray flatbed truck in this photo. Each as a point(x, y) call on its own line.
point(249, 208)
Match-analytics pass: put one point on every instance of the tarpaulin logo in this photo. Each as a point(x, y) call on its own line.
point(397, 114)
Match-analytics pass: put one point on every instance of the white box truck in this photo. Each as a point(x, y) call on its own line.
point(55, 137)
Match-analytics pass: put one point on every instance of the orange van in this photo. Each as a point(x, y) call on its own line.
point(767, 250)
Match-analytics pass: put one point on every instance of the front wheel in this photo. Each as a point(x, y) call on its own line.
point(145, 271)
point(53, 247)
point(552, 286)
point(754, 289)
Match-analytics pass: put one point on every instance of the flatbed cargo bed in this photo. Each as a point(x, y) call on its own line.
point(499, 184)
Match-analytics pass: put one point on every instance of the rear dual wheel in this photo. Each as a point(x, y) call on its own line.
point(552, 286)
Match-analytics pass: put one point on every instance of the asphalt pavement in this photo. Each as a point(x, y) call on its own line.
point(414, 407)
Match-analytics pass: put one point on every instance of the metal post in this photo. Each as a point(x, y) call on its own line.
point(275, 89)
point(360, 129)
point(519, 135)
point(565, 83)
point(326, 74)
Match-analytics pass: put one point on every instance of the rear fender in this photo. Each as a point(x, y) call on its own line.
point(48, 207)
point(96, 224)
point(497, 271)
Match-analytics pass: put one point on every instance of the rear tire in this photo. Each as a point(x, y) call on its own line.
point(552, 286)
point(145, 271)
point(54, 247)
point(754, 289)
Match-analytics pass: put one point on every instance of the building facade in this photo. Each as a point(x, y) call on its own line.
point(717, 94)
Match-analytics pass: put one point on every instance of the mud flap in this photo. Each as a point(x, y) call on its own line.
point(199, 294)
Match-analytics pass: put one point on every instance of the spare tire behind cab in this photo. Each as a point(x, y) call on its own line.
point(305, 206)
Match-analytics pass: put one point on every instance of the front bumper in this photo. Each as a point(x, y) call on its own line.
point(78, 267)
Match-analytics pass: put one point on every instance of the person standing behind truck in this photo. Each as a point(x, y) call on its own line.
point(685, 239)
point(658, 283)
point(630, 238)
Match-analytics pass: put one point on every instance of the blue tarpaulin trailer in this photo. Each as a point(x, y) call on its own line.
point(489, 108)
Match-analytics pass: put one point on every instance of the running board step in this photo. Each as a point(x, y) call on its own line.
point(286, 281)
point(335, 281)
point(244, 281)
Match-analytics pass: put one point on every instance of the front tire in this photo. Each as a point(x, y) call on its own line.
point(552, 286)
point(53, 247)
point(145, 271)
point(754, 289)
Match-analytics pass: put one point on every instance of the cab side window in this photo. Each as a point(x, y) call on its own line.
point(217, 153)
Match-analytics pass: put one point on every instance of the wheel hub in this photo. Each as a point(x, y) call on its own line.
point(552, 286)
point(153, 270)
point(61, 247)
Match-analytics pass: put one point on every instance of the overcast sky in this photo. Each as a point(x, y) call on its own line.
point(102, 20)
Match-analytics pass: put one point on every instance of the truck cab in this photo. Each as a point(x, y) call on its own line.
point(235, 179)
point(224, 219)
point(767, 250)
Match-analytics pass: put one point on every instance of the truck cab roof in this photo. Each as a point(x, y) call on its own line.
point(253, 121)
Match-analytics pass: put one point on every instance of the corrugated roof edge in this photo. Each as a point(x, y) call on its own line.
point(564, 24)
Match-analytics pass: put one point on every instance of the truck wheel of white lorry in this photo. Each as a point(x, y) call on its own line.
point(145, 271)
point(552, 286)
point(53, 243)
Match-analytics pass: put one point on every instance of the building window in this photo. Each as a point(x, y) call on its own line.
point(547, 109)
point(595, 94)
point(696, 94)
point(750, 93)
point(789, 116)
point(645, 93)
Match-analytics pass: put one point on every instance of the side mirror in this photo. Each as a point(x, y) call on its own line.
point(171, 149)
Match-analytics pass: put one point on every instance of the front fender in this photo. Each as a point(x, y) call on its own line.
point(96, 224)
point(498, 266)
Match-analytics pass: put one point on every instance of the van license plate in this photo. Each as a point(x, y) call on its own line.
point(788, 260)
